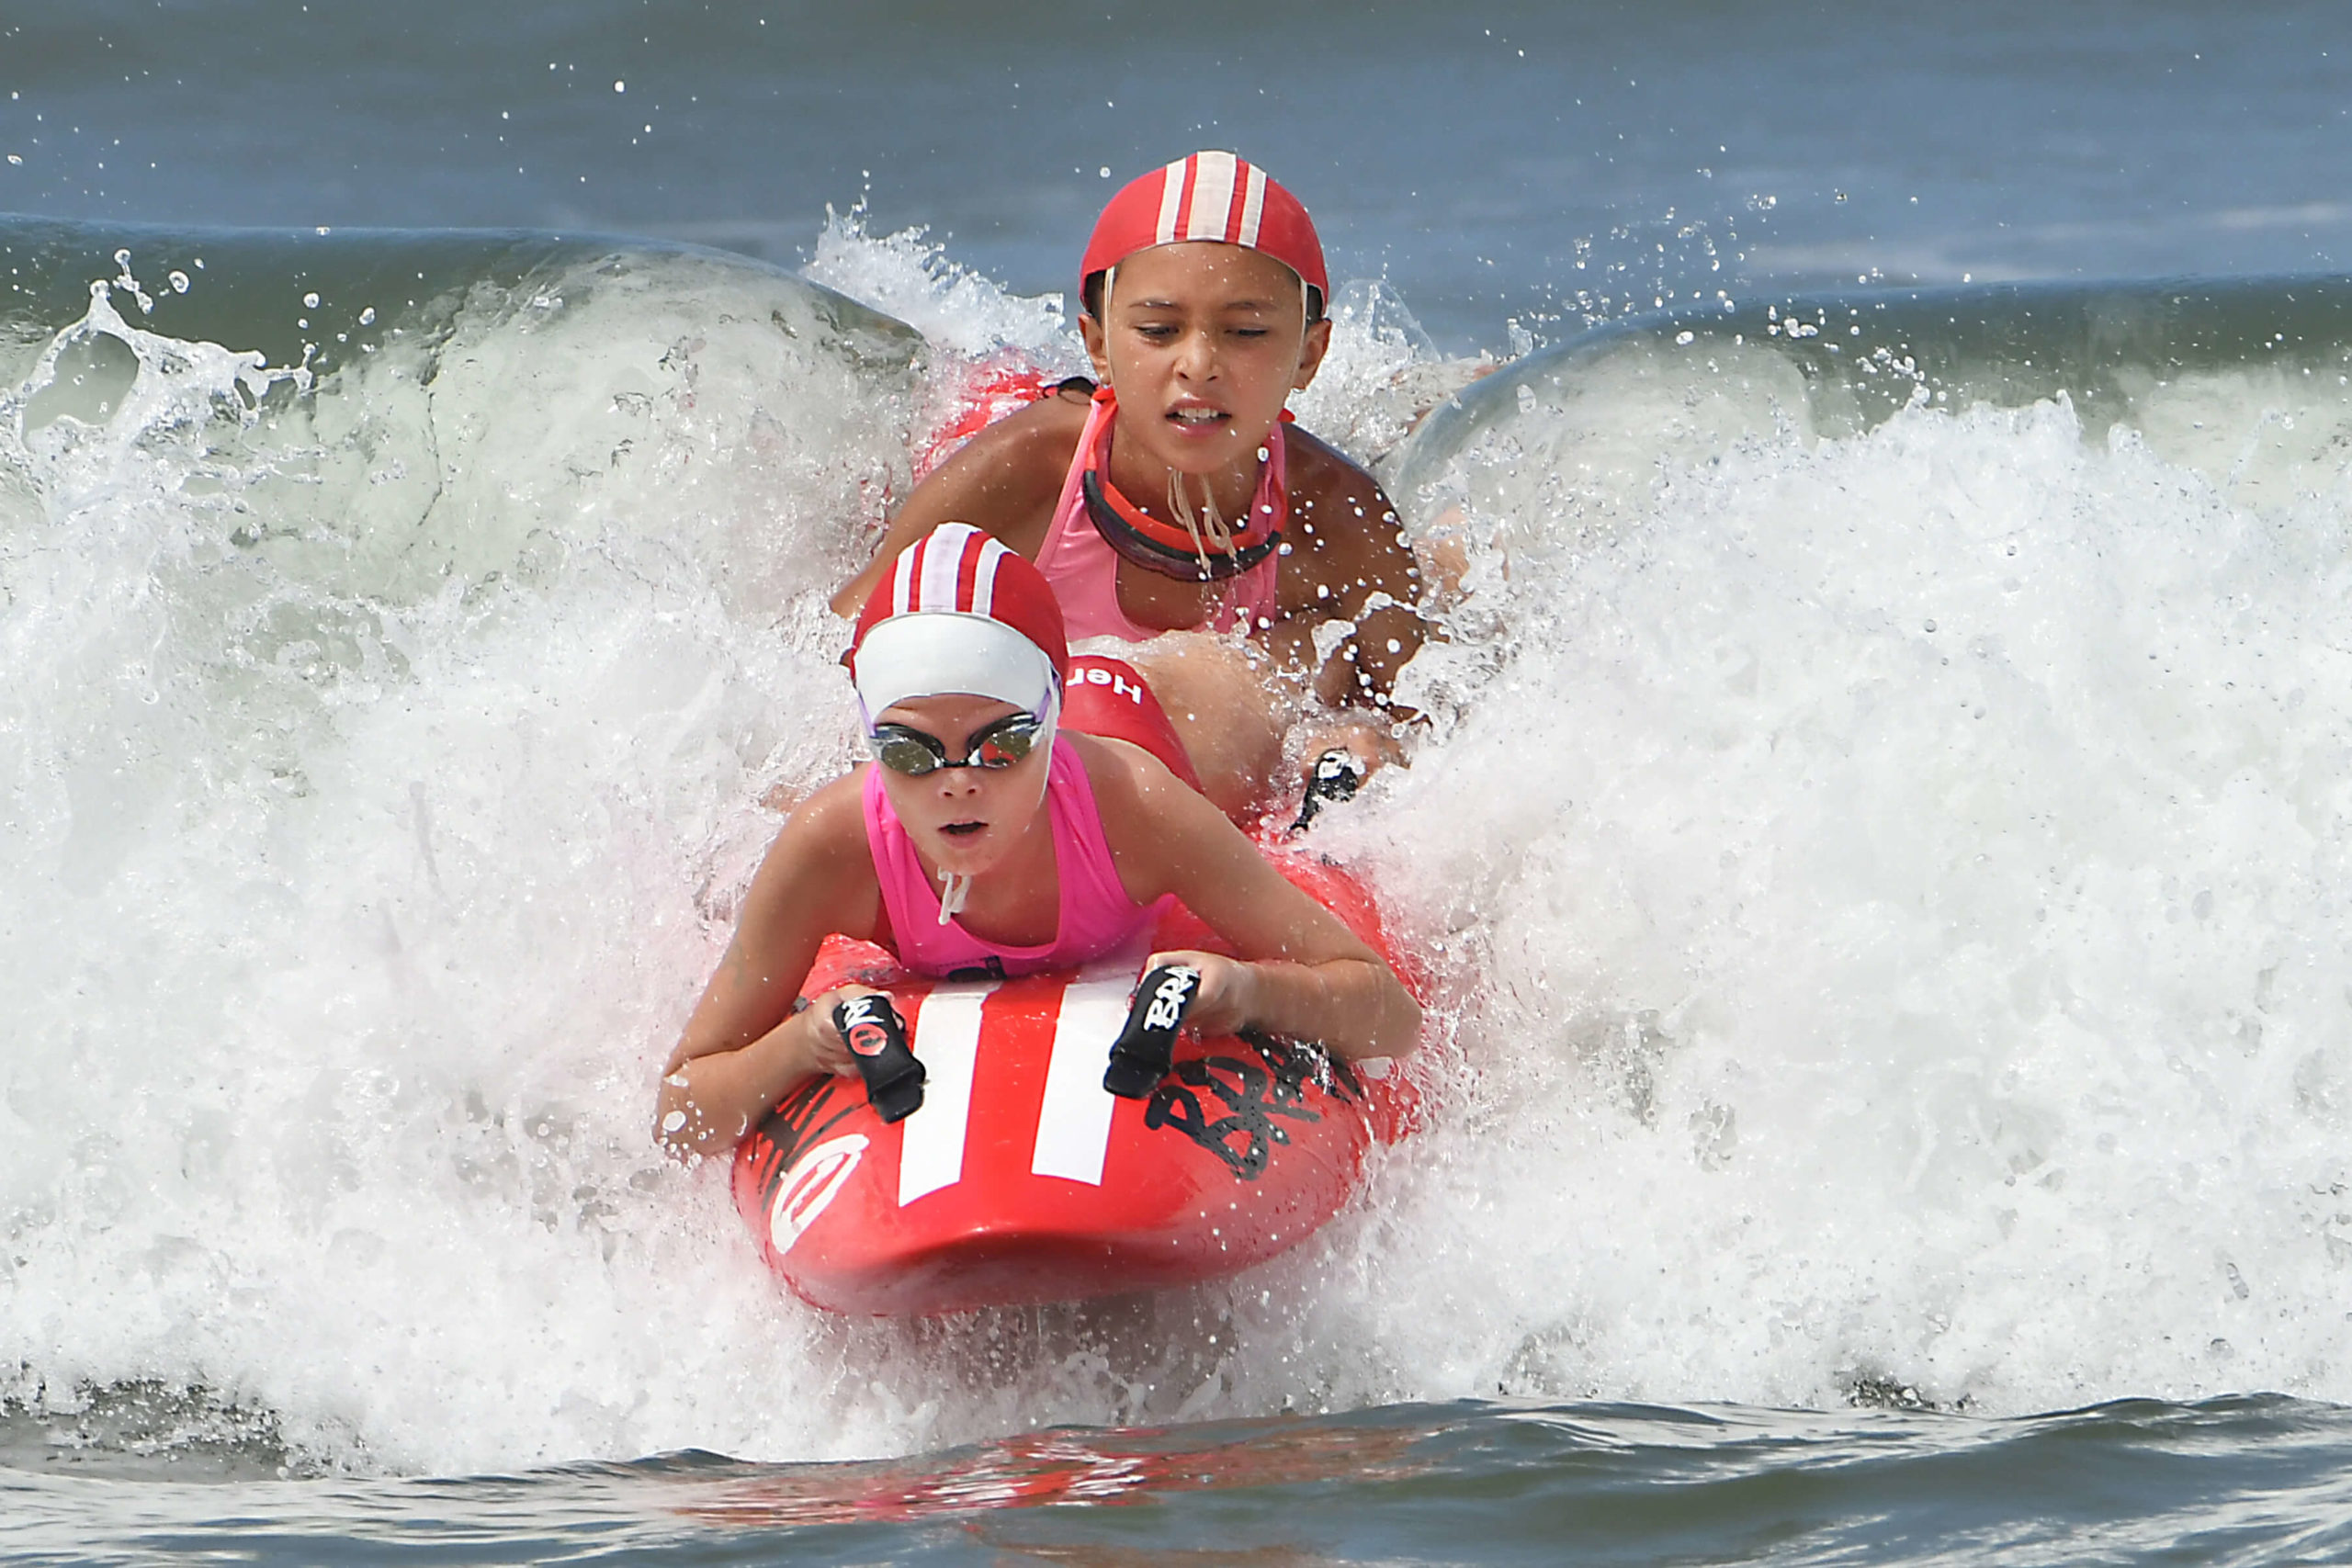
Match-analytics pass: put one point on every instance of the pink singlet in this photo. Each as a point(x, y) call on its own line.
point(1097, 916)
point(1084, 569)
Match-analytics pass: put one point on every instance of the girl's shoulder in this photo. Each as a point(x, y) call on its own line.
point(1109, 770)
point(828, 826)
point(1043, 436)
point(1151, 820)
point(819, 873)
point(1004, 479)
point(1319, 471)
point(1341, 518)
point(1137, 796)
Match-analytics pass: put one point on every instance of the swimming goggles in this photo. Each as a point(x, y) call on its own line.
point(997, 745)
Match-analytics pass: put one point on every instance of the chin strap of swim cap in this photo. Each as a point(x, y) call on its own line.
point(1051, 718)
point(1204, 524)
point(1050, 715)
point(955, 892)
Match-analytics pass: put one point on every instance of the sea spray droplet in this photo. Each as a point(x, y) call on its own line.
point(179, 281)
point(367, 317)
point(310, 301)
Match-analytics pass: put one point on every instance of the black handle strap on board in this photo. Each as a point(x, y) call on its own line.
point(877, 1037)
point(1141, 1054)
point(1338, 775)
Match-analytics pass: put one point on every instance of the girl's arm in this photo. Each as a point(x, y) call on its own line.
point(745, 1046)
point(1301, 972)
point(1347, 561)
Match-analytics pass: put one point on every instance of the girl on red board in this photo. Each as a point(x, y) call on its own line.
point(1021, 814)
point(1174, 507)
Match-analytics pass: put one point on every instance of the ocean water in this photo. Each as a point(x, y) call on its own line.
point(1880, 841)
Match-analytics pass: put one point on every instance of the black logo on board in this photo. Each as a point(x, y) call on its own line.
point(1253, 1099)
point(797, 1124)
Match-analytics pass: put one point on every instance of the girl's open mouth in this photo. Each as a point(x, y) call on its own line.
point(961, 829)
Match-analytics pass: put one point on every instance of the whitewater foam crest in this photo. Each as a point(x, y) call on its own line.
point(1893, 892)
point(909, 276)
point(1882, 887)
point(349, 734)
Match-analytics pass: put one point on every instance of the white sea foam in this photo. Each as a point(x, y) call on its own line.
point(1895, 886)
point(1885, 892)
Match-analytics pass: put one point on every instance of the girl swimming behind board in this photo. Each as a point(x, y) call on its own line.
point(1174, 498)
point(1024, 811)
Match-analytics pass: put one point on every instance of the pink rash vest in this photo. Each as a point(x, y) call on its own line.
point(1097, 917)
point(1084, 569)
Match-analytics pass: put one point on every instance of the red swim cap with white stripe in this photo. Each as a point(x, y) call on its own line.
point(959, 614)
point(1209, 195)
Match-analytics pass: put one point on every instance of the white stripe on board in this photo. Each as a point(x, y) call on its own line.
point(1074, 1113)
point(947, 1038)
point(1212, 197)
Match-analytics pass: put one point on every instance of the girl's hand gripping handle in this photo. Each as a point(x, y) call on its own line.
point(1141, 1054)
point(876, 1038)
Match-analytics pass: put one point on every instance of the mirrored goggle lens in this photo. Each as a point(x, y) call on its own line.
point(913, 753)
point(1001, 745)
point(902, 751)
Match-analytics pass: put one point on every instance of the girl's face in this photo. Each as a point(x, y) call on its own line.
point(964, 820)
point(1204, 343)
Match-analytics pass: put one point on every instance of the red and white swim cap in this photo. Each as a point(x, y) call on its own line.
point(1209, 195)
point(959, 614)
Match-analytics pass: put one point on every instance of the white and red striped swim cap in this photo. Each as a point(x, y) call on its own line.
point(1209, 195)
point(959, 614)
